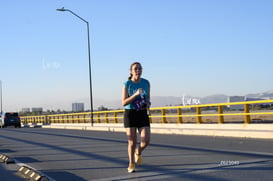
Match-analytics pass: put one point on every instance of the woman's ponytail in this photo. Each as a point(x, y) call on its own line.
point(129, 78)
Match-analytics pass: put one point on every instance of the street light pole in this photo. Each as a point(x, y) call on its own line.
point(89, 59)
point(1, 97)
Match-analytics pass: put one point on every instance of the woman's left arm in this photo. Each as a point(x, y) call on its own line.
point(149, 95)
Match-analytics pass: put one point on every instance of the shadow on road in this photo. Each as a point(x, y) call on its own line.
point(159, 170)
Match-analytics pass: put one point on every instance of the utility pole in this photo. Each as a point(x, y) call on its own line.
point(1, 97)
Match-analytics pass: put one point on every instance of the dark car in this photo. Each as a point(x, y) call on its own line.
point(10, 119)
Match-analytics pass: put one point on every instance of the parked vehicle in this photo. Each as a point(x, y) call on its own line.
point(10, 119)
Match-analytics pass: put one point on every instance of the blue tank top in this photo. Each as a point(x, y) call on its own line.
point(132, 87)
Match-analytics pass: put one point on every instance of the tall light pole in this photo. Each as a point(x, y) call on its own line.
point(1, 97)
point(89, 59)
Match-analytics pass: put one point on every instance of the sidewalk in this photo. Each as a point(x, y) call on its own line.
point(264, 131)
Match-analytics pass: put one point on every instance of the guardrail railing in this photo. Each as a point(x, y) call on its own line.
point(203, 113)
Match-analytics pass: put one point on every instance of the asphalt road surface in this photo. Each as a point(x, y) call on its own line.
point(92, 155)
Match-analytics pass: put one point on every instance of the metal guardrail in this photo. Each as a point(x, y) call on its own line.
point(159, 114)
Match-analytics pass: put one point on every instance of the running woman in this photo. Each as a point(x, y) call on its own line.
point(136, 100)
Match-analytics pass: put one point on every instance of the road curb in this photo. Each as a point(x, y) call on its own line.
point(31, 174)
point(6, 159)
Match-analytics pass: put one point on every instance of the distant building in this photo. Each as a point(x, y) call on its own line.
point(102, 108)
point(25, 110)
point(77, 107)
point(231, 99)
point(37, 109)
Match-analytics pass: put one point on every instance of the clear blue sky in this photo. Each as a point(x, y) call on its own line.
point(193, 47)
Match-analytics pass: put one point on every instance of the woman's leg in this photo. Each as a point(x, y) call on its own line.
point(145, 133)
point(132, 141)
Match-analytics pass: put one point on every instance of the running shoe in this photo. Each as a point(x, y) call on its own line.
point(131, 168)
point(138, 159)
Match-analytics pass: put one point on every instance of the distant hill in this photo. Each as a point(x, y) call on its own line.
point(267, 94)
point(159, 101)
point(218, 98)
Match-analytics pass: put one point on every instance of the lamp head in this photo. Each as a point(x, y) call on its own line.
point(61, 9)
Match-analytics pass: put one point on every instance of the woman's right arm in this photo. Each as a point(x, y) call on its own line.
point(126, 99)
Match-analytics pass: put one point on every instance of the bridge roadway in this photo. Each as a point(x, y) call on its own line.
point(95, 155)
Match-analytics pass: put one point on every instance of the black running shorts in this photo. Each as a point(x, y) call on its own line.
point(136, 119)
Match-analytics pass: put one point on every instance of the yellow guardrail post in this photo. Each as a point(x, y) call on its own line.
point(98, 115)
point(163, 112)
point(45, 120)
point(220, 117)
point(198, 113)
point(179, 113)
point(72, 118)
point(84, 120)
point(246, 110)
point(150, 116)
point(115, 115)
point(106, 117)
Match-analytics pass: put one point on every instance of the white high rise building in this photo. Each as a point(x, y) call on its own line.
point(77, 107)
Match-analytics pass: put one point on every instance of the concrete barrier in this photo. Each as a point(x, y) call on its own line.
point(264, 131)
